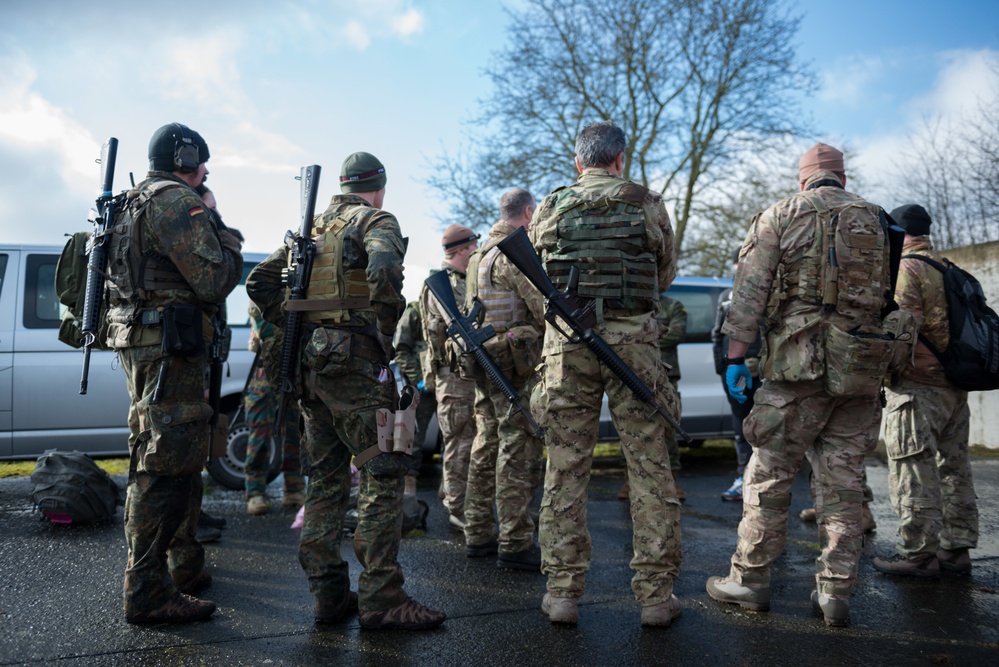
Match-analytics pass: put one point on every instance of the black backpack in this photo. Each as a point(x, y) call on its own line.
point(971, 361)
point(71, 488)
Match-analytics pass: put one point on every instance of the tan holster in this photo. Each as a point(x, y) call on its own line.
point(396, 430)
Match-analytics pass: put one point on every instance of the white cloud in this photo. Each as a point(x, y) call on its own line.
point(409, 23)
point(201, 70)
point(845, 84)
point(357, 35)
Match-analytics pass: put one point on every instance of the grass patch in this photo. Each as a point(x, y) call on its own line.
point(24, 468)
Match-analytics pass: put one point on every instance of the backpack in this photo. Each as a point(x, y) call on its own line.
point(971, 360)
point(70, 287)
point(70, 488)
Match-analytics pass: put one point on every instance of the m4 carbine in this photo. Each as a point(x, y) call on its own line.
point(580, 316)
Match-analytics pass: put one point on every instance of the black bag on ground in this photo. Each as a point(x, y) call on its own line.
point(971, 360)
point(70, 488)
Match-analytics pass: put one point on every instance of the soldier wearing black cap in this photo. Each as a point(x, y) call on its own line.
point(170, 264)
point(351, 309)
point(926, 427)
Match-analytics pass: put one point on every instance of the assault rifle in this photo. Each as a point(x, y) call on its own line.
point(470, 338)
point(296, 277)
point(97, 262)
point(579, 314)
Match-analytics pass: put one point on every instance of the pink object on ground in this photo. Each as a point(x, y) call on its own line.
point(299, 518)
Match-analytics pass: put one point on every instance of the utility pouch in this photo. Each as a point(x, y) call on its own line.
point(902, 326)
point(328, 352)
point(857, 360)
point(525, 349)
point(182, 330)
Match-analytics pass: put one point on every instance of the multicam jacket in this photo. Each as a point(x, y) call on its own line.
point(672, 318)
point(494, 280)
point(409, 344)
point(434, 321)
point(920, 290)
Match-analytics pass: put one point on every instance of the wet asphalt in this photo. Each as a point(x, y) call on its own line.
point(60, 597)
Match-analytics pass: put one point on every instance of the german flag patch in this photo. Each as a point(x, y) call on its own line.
point(196, 210)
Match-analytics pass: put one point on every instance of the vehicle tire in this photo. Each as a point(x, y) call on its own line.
point(229, 470)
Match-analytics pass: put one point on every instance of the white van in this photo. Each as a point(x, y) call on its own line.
point(40, 403)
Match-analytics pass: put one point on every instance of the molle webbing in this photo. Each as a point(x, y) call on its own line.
point(334, 294)
point(503, 307)
point(605, 238)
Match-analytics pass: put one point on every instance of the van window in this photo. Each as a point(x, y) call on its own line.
point(42, 309)
point(3, 270)
point(700, 305)
point(238, 302)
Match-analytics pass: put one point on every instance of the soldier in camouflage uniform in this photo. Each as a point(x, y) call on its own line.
point(350, 312)
point(455, 394)
point(261, 405)
point(783, 278)
point(410, 345)
point(169, 265)
point(672, 319)
point(926, 428)
point(504, 452)
point(626, 227)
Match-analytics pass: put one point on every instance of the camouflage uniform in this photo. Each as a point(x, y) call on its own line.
point(455, 395)
point(410, 345)
point(261, 405)
point(504, 453)
point(575, 381)
point(189, 262)
point(778, 278)
point(926, 428)
point(672, 318)
point(346, 377)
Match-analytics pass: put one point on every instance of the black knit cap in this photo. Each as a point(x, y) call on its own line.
point(913, 218)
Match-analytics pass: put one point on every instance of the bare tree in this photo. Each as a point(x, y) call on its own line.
point(693, 83)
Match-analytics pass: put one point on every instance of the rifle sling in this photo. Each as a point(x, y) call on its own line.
point(303, 305)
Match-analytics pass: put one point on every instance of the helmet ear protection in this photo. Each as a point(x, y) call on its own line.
point(185, 152)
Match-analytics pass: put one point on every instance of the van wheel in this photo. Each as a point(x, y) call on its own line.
point(230, 470)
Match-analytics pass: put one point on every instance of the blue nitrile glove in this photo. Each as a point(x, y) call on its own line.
point(737, 380)
point(421, 385)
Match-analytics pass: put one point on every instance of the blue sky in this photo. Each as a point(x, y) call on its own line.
point(276, 85)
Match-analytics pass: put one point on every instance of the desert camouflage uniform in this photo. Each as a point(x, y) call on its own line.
point(344, 386)
point(672, 318)
point(574, 383)
point(261, 404)
point(504, 457)
point(169, 439)
point(410, 345)
point(455, 395)
point(926, 428)
point(777, 278)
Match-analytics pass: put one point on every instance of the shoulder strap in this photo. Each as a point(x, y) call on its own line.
point(932, 262)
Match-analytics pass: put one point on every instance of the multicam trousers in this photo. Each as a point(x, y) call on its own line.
point(501, 469)
point(929, 473)
point(455, 399)
point(261, 405)
point(168, 445)
point(340, 423)
point(575, 382)
point(787, 420)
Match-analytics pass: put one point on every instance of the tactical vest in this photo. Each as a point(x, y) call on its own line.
point(603, 236)
point(503, 308)
point(435, 327)
point(334, 295)
point(835, 272)
point(132, 270)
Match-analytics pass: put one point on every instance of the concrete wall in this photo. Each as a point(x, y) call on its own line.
point(982, 261)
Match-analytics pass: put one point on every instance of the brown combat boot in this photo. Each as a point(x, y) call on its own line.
point(180, 608)
point(293, 500)
point(927, 567)
point(410, 615)
point(560, 610)
point(957, 561)
point(327, 614)
point(662, 614)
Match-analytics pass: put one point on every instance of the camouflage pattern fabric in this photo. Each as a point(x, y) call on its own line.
point(261, 404)
point(410, 345)
point(920, 290)
point(929, 472)
point(168, 440)
point(574, 383)
point(672, 319)
point(788, 420)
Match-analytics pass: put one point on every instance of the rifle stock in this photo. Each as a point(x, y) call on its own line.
point(98, 260)
point(470, 338)
point(579, 316)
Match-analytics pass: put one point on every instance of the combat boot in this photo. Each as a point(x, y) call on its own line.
point(292, 501)
point(807, 515)
point(753, 597)
point(957, 561)
point(257, 506)
point(835, 611)
point(199, 583)
point(867, 520)
point(624, 493)
point(662, 614)
point(927, 567)
point(490, 548)
point(327, 614)
point(178, 609)
point(560, 610)
point(526, 559)
point(410, 615)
